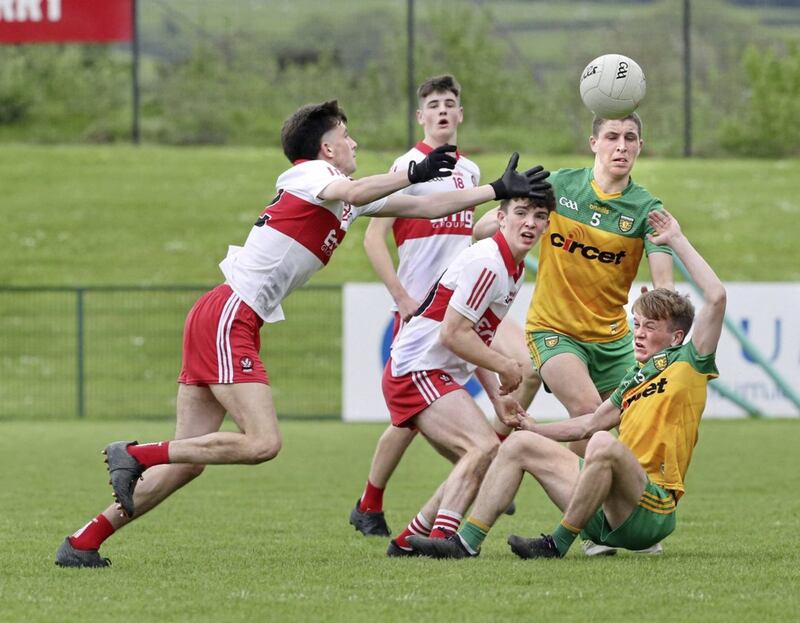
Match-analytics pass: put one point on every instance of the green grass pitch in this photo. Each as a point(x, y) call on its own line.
point(272, 542)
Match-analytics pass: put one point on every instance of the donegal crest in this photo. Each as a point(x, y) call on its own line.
point(660, 362)
point(625, 223)
point(551, 341)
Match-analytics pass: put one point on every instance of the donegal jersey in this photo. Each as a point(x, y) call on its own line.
point(426, 247)
point(589, 258)
point(662, 403)
point(293, 238)
point(480, 284)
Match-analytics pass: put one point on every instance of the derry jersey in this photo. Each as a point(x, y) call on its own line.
point(589, 258)
point(662, 403)
point(426, 247)
point(293, 238)
point(480, 284)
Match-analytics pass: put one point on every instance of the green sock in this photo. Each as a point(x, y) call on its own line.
point(563, 538)
point(472, 533)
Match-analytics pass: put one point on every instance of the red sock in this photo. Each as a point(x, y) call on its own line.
point(446, 523)
point(419, 525)
point(501, 436)
point(372, 499)
point(149, 454)
point(92, 535)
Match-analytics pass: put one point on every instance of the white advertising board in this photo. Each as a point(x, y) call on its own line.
point(766, 312)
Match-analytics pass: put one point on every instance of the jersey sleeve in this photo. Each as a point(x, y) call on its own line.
point(704, 364)
point(649, 247)
point(309, 179)
point(478, 286)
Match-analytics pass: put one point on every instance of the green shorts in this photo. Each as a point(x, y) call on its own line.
point(607, 361)
point(651, 522)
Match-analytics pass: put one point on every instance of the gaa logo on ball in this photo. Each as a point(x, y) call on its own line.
point(612, 86)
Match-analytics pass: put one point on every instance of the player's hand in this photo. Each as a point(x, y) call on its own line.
point(510, 377)
point(509, 411)
point(438, 163)
point(406, 307)
point(665, 225)
point(532, 183)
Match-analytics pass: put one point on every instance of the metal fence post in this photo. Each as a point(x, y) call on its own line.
point(412, 98)
point(135, 138)
point(79, 378)
point(687, 78)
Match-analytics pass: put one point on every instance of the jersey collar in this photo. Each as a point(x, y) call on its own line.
point(426, 149)
point(514, 270)
point(603, 196)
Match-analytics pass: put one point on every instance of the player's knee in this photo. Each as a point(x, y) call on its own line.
point(602, 446)
point(484, 449)
point(262, 450)
point(191, 471)
point(490, 446)
point(530, 376)
point(516, 446)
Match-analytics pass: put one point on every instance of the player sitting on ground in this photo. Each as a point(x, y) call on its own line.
point(425, 248)
point(626, 491)
point(222, 372)
point(446, 341)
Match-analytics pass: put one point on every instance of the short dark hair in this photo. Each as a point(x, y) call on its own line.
point(301, 135)
point(549, 202)
point(664, 304)
point(439, 84)
point(598, 122)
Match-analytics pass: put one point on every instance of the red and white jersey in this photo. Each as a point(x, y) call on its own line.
point(293, 238)
point(480, 284)
point(426, 247)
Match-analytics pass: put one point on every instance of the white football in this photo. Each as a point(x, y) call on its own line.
point(612, 86)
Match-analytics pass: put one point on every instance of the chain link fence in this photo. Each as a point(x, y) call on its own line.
point(230, 73)
point(115, 352)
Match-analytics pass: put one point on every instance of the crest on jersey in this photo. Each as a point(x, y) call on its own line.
point(625, 223)
point(445, 378)
point(660, 361)
point(551, 341)
point(246, 363)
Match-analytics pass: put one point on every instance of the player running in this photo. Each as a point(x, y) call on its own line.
point(425, 248)
point(626, 491)
point(447, 340)
point(222, 372)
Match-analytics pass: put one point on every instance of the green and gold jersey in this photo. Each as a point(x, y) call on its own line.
point(589, 257)
point(662, 403)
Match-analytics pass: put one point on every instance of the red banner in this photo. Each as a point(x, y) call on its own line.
point(65, 21)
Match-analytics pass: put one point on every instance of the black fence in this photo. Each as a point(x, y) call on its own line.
point(114, 352)
point(721, 74)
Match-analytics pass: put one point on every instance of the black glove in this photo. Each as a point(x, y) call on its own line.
point(438, 163)
point(531, 183)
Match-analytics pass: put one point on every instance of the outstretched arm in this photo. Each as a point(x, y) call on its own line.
point(531, 183)
point(605, 417)
point(378, 253)
point(661, 270)
point(438, 163)
point(708, 322)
